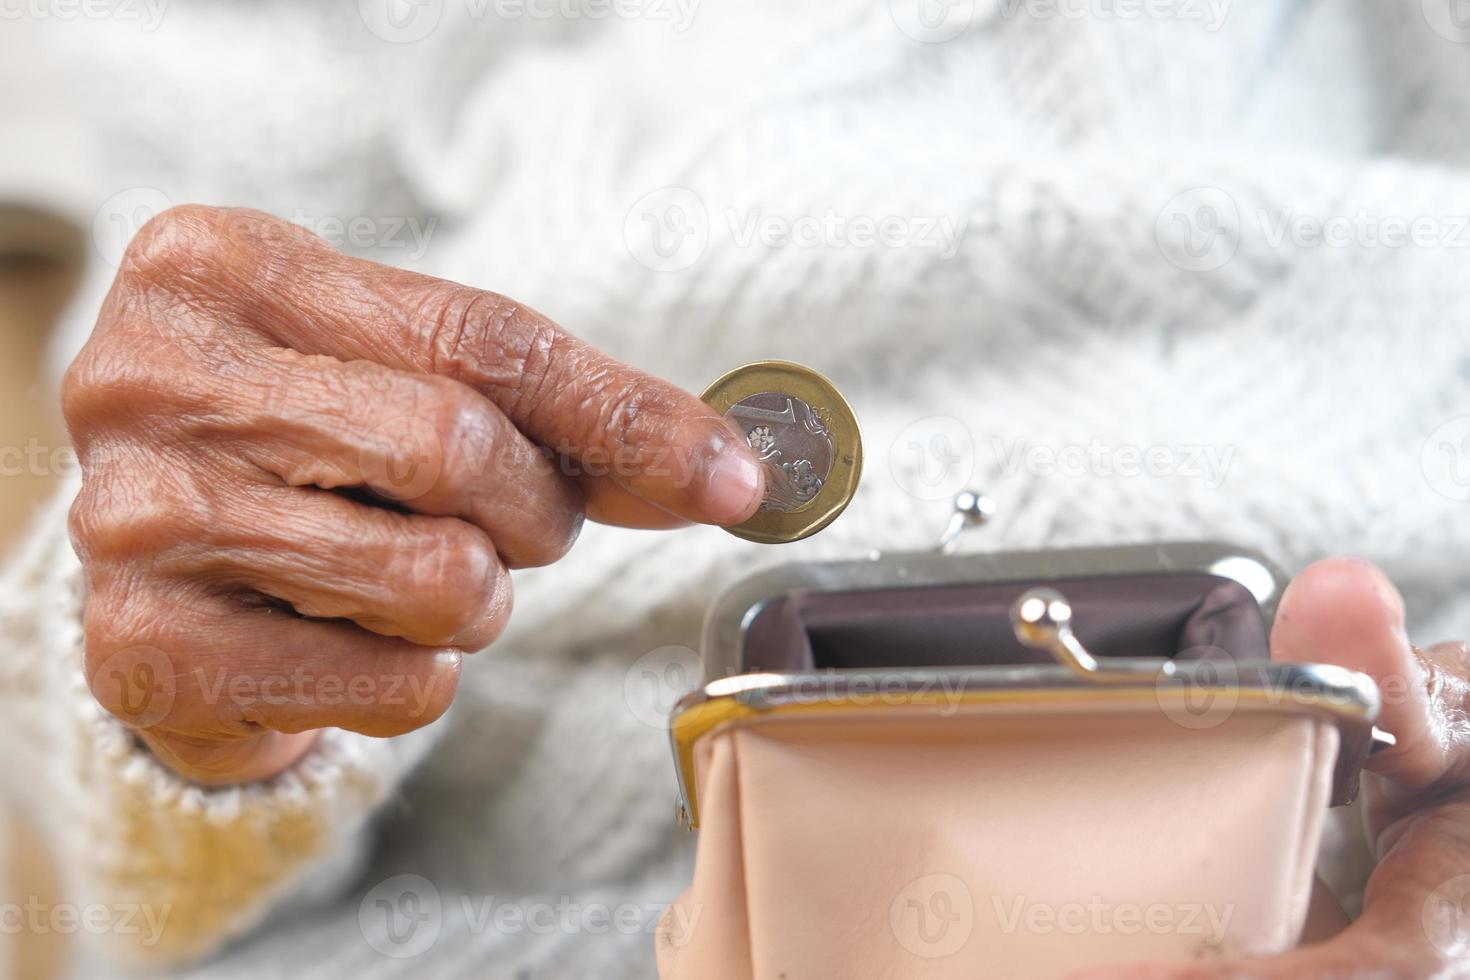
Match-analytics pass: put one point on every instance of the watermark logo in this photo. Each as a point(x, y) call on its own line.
point(402, 916)
point(1445, 916)
point(667, 230)
point(1445, 459)
point(656, 682)
point(933, 458)
point(932, 21)
point(121, 216)
point(137, 684)
point(1199, 229)
point(401, 21)
point(1450, 19)
point(1204, 695)
point(402, 458)
point(933, 916)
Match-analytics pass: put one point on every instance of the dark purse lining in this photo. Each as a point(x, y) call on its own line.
point(1183, 615)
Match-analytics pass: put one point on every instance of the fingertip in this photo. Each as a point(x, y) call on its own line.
point(1343, 611)
point(717, 480)
point(734, 484)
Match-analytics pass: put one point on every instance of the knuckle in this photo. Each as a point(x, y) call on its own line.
point(488, 339)
point(108, 385)
point(192, 245)
point(465, 427)
point(458, 338)
point(82, 392)
point(175, 243)
point(556, 534)
point(620, 413)
point(123, 520)
point(130, 666)
point(536, 349)
point(557, 544)
point(461, 582)
point(464, 572)
point(431, 681)
point(113, 385)
point(84, 521)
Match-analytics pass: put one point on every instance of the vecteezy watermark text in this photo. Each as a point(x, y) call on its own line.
point(35, 917)
point(1202, 228)
point(402, 916)
point(1097, 917)
point(1207, 464)
point(937, 21)
point(35, 459)
point(147, 13)
point(668, 229)
point(407, 233)
point(937, 232)
point(1210, 14)
point(407, 21)
point(303, 687)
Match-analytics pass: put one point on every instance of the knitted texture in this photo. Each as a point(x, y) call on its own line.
point(1294, 394)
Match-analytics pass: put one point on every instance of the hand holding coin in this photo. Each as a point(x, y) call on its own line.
point(298, 463)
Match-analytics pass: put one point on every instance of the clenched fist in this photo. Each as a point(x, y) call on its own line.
point(305, 478)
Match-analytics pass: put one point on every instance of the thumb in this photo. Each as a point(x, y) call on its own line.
point(1345, 611)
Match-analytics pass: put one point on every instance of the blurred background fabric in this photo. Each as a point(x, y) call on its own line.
point(512, 153)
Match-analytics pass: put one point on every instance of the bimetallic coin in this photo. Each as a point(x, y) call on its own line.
point(802, 429)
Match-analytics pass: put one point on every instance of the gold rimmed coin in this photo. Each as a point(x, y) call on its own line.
point(804, 433)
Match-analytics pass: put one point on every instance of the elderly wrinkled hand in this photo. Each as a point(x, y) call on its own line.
point(306, 476)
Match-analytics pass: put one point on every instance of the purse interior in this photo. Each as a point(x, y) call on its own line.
point(1175, 615)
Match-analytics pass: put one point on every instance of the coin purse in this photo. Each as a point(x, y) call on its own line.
point(1023, 764)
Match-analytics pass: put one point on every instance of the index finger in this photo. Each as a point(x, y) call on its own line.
point(291, 287)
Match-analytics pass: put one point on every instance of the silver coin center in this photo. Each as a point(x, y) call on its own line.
point(792, 442)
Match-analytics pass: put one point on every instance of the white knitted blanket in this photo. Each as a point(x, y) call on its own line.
point(1177, 269)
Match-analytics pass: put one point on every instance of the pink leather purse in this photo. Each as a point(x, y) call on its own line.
point(912, 766)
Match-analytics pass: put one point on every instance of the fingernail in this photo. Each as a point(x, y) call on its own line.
point(733, 485)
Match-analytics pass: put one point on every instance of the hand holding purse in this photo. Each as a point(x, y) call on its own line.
point(1023, 764)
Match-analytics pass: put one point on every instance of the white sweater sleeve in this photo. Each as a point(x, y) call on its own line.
point(202, 865)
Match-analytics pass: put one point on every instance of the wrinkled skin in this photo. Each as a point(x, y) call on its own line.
point(1416, 794)
point(306, 476)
